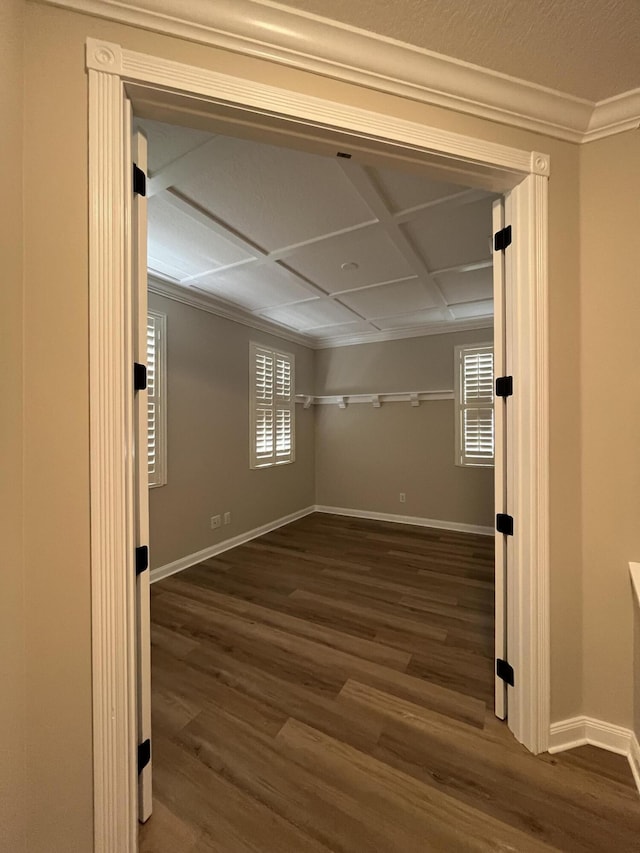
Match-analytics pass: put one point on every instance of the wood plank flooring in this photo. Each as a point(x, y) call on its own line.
point(329, 687)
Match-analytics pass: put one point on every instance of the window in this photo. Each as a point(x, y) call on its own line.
point(474, 405)
point(272, 404)
point(157, 398)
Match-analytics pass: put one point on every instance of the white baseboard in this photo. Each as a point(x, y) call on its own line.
point(407, 519)
point(220, 547)
point(634, 759)
point(579, 731)
point(226, 545)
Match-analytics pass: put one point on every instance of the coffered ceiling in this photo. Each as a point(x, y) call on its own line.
point(324, 247)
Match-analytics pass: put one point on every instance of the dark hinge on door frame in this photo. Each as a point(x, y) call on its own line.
point(504, 523)
point(139, 376)
point(139, 181)
point(502, 239)
point(504, 386)
point(144, 754)
point(142, 559)
point(504, 671)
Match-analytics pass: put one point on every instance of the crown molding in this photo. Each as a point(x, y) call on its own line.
point(203, 302)
point(267, 30)
point(614, 115)
point(442, 328)
point(212, 305)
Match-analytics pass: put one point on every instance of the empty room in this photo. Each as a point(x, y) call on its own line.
point(321, 452)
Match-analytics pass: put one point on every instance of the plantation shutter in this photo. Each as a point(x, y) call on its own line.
point(475, 426)
point(272, 407)
point(156, 446)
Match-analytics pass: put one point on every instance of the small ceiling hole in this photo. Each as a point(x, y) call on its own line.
point(343, 154)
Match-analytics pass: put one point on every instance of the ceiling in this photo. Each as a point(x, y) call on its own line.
point(321, 246)
point(587, 48)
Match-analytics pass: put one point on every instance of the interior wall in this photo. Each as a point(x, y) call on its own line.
point(57, 400)
point(12, 610)
point(636, 669)
point(208, 437)
point(610, 256)
point(366, 457)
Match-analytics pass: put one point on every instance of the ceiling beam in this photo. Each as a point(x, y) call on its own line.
point(372, 197)
point(200, 158)
point(190, 163)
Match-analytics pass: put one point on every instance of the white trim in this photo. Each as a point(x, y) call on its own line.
point(321, 46)
point(161, 572)
point(579, 731)
point(441, 328)
point(634, 758)
point(183, 563)
point(466, 155)
point(112, 445)
point(526, 279)
point(614, 115)
point(634, 571)
point(415, 520)
point(520, 172)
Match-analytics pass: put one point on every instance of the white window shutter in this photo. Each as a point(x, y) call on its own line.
point(474, 404)
point(272, 404)
point(156, 398)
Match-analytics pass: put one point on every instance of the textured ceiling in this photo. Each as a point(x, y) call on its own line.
point(588, 48)
point(322, 246)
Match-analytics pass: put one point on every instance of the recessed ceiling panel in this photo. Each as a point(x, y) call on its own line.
point(177, 239)
point(384, 300)
point(275, 196)
point(467, 286)
point(467, 310)
point(448, 237)
point(357, 259)
point(402, 190)
point(255, 286)
point(327, 230)
point(166, 142)
point(309, 315)
point(416, 318)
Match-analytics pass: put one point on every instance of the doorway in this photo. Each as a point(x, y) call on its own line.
point(522, 174)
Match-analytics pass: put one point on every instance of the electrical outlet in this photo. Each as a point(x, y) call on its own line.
point(215, 522)
point(227, 518)
point(403, 497)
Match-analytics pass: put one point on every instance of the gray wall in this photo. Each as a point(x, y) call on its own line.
point(208, 437)
point(357, 458)
point(365, 457)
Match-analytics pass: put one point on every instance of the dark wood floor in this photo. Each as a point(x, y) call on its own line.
point(328, 687)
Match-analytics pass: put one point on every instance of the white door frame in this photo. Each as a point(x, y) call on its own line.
point(114, 72)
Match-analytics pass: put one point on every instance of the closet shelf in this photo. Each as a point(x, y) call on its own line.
point(375, 400)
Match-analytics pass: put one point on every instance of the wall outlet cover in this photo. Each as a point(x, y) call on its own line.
point(215, 522)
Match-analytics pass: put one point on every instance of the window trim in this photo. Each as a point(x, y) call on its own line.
point(461, 459)
point(160, 398)
point(254, 463)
